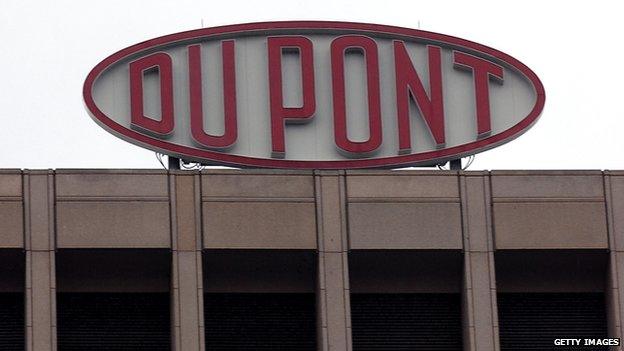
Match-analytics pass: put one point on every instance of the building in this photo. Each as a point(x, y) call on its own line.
point(309, 260)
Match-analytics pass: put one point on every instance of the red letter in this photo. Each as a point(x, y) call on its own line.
point(279, 113)
point(162, 62)
point(408, 82)
point(369, 47)
point(229, 97)
point(482, 71)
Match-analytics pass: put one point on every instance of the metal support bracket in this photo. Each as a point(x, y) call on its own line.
point(456, 165)
point(173, 163)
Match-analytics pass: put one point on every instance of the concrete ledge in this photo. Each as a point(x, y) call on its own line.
point(11, 224)
point(544, 225)
point(259, 225)
point(71, 185)
point(405, 226)
point(113, 225)
point(558, 186)
point(402, 186)
point(254, 185)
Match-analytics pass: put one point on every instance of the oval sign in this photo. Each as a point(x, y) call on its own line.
point(313, 95)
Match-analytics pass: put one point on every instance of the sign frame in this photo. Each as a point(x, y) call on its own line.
point(223, 158)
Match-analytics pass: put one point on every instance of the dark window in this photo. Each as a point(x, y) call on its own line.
point(260, 299)
point(406, 299)
point(11, 321)
point(419, 321)
point(113, 299)
point(12, 274)
point(113, 321)
point(532, 321)
point(260, 321)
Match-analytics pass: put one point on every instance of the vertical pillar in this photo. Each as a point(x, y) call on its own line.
point(334, 320)
point(187, 289)
point(480, 316)
point(614, 293)
point(39, 243)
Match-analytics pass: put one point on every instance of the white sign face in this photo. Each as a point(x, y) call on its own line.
point(316, 95)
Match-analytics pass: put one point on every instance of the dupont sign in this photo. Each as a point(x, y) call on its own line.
point(318, 95)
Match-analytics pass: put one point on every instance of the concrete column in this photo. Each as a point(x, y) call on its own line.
point(39, 243)
point(187, 289)
point(334, 317)
point(614, 294)
point(480, 316)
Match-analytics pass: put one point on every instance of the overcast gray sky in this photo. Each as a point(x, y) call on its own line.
point(48, 47)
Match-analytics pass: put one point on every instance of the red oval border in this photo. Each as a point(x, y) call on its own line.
point(244, 161)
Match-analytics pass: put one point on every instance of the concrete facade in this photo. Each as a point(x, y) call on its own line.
point(492, 220)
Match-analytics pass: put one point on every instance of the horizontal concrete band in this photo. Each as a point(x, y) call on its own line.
point(276, 209)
